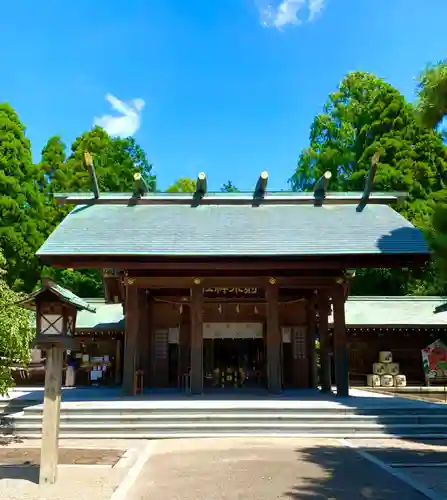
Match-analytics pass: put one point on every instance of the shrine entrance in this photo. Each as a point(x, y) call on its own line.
point(234, 355)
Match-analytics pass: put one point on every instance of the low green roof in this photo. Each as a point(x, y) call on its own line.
point(429, 312)
point(107, 317)
point(182, 230)
point(62, 293)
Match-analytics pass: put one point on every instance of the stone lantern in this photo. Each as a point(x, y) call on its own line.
point(56, 309)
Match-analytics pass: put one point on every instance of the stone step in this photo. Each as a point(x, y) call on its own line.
point(438, 410)
point(122, 418)
point(229, 425)
point(241, 431)
point(180, 434)
point(8, 407)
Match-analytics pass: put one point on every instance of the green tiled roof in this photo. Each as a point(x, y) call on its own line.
point(62, 293)
point(107, 317)
point(426, 312)
point(233, 230)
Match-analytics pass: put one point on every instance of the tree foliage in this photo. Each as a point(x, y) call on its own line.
point(16, 333)
point(183, 185)
point(229, 187)
point(364, 116)
point(432, 93)
point(116, 160)
point(23, 209)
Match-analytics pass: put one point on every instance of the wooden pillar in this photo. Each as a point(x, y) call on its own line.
point(118, 362)
point(51, 416)
point(311, 337)
point(131, 338)
point(185, 342)
point(149, 343)
point(340, 342)
point(144, 361)
point(273, 339)
point(325, 360)
point(197, 338)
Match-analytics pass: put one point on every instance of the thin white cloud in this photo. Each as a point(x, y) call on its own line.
point(289, 12)
point(315, 7)
point(129, 121)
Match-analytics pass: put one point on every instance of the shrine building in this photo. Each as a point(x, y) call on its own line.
point(216, 282)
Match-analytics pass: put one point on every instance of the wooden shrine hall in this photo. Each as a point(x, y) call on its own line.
point(232, 289)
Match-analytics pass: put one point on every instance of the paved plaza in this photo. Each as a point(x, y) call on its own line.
point(267, 469)
point(231, 469)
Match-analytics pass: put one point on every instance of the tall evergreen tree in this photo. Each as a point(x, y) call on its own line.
point(365, 116)
point(23, 216)
point(53, 164)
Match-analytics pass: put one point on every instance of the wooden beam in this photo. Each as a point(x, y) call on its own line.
point(51, 416)
point(201, 185)
point(196, 312)
point(231, 264)
point(88, 161)
point(140, 187)
point(340, 343)
point(261, 185)
point(225, 282)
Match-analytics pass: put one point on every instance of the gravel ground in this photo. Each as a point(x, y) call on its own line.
point(74, 482)
point(263, 469)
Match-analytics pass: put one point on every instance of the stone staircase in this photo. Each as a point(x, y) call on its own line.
point(128, 420)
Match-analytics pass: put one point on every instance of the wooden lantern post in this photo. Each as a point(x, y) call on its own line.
point(56, 310)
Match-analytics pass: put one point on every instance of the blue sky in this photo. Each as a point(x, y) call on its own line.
point(228, 87)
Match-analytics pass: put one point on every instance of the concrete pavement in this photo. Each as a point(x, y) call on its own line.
point(264, 469)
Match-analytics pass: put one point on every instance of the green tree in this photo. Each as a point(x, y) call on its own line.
point(115, 160)
point(85, 283)
point(432, 93)
point(53, 162)
point(56, 176)
point(16, 333)
point(364, 116)
point(183, 185)
point(229, 187)
point(23, 209)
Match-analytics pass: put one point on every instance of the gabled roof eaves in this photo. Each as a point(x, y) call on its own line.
point(62, 293)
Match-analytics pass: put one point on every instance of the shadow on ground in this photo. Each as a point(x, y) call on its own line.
point(24, 472)
point(340, 473)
